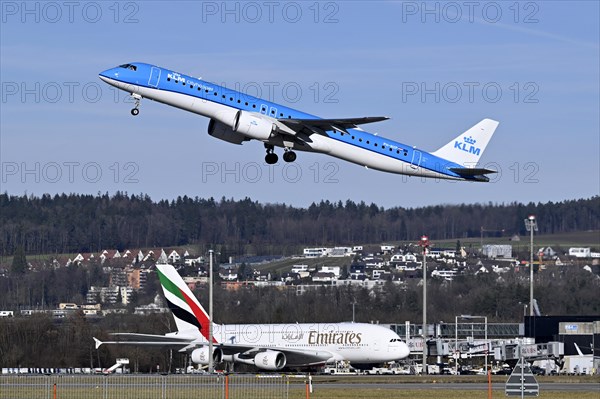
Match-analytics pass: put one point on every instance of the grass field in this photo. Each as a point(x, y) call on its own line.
point(265, 387)
point(407, 393)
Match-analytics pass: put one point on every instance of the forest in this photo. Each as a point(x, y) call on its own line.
point(73, 223)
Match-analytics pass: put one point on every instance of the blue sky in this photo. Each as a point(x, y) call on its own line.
point(435, 68)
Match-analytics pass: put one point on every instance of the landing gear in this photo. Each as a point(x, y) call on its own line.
point(136, 110)
point(289, 156)
point(271, 158)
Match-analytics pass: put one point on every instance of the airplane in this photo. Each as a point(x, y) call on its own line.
point(268, 347)
point(236, 117)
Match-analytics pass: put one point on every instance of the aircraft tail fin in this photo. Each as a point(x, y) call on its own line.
point(467, 148)
point(188, 313)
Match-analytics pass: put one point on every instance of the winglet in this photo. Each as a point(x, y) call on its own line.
point(98, 342)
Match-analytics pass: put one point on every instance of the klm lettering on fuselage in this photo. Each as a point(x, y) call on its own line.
point(467, 146)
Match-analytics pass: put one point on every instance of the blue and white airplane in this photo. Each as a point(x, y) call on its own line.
point(236, 117)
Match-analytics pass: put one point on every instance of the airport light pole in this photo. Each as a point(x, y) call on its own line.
point(424, 243)
point(211, 366)
point(531, 226)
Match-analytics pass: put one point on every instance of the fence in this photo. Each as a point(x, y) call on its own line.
point(234, 386)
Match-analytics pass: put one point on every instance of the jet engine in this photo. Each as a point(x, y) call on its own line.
point(221, 131)
point(200, 355)
point(253, 125)
point(270, 360)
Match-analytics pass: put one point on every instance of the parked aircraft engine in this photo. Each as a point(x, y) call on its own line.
point(221, 131)
point(200, 355)
point(253, 125)
point(270, 360)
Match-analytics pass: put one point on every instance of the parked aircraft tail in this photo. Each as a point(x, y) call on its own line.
point(467, 148)
point(189, 315)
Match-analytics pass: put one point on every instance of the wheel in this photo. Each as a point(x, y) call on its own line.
point(271, 158)
point(135, 111)
point(289, 156)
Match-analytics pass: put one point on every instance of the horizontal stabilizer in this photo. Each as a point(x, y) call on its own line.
point(472, 171)
point(475, 174)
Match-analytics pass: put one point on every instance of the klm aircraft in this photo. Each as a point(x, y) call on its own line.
point(236, 117)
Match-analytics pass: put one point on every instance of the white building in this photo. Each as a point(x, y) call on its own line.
point(580, 252)
point(331, 269)
point(496, 251)
point(314, 252)
point(387, 248)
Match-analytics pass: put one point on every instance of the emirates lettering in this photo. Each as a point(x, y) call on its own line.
point(334, 338)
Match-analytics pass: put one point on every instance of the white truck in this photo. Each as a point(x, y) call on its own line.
point(340, 368)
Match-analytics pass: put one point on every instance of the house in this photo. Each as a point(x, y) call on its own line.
point(357, 272)
point(497, 251)
point(112, 254)
point(261, 275)
point(315, 252)
point(340, 251)
point(331, 269)
point(174, 257)
point(228, 275)
point(386, 249)
point(408, 257)
point(547, 253)
point(580, 252)
point(323, 277)
point(191, 261)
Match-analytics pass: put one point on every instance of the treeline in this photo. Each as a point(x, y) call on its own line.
point(86, 223)
point(39, 341)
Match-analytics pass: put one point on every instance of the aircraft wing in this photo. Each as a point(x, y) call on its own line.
point(340, 125)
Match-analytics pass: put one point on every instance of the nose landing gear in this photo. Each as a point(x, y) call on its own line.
point(136, 110)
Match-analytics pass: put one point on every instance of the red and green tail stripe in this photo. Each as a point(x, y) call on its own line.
point(198, 318)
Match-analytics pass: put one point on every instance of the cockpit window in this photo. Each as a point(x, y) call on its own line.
point(128, 66)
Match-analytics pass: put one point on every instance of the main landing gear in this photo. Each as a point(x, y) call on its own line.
point(289, 155)
point(271, 158)
point(136, 110)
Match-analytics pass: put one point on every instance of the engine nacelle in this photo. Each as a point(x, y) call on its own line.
point(200, 355)
point(253, 125)
point(223, 132)
point(270, 360)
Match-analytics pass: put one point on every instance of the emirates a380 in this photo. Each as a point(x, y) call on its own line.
point(236, 117)
point(267, 346)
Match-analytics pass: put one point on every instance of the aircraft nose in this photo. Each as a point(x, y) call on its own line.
point(403, 350)
point(105, 76)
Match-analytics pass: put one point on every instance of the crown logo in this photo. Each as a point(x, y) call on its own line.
point(470, 140)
